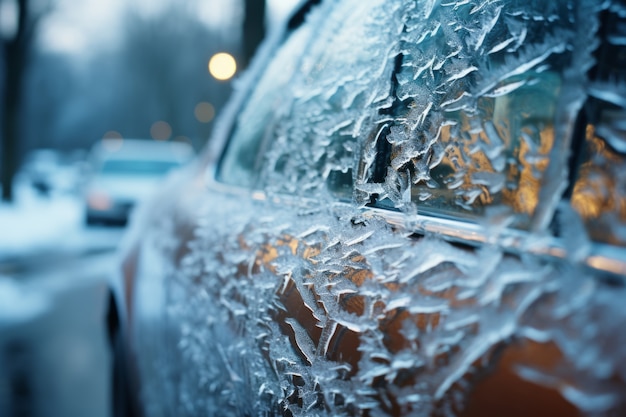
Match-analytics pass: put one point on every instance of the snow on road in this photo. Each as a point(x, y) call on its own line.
point(54, 351)
point(54, 273)
point(36, 225)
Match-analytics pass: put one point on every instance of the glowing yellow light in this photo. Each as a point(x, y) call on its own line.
point(112, 141)
point(204, 112)
point(222, 66)
point(161, 130)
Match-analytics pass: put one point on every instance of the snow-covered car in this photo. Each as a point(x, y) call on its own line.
point(49, 171)
point(124, 172)
point(409, 208)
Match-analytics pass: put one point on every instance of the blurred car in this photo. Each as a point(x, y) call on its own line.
point(409, 208)
point(124, 172)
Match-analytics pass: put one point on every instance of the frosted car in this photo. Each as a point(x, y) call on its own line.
point(409, 208)
point(124, 172)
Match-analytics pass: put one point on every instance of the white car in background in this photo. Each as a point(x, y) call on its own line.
point(124, 172)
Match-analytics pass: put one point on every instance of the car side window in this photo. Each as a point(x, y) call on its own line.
point(305, 129)
point(599, 189)
point(483, 96)
point(240, 163)
point(599, 194)
point(445, 107)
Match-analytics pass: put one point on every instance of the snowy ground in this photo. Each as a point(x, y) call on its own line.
point(35, 226)
point(54, 352)
point(54, 271)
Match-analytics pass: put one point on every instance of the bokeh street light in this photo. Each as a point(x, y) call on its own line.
point(161, 130)
point(222, 66)
point(204, 112)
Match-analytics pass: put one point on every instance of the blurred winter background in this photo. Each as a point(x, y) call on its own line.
point(74, 74)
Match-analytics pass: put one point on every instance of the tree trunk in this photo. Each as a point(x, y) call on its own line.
point(15, 52)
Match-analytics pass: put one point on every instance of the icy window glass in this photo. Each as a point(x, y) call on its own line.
point(310, 128)
point(241, 160)
point(599, 193)
point(335, 102)
point(485, 92)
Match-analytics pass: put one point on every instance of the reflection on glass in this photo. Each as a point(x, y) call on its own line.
point(477, 110)
point(599, 194)
point(496, 156)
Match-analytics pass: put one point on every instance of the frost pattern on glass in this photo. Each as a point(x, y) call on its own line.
point(336, 98)
point(468, 101)
point(345, 83)
point(599, 193)
point(486, 90)
point(241, 162)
